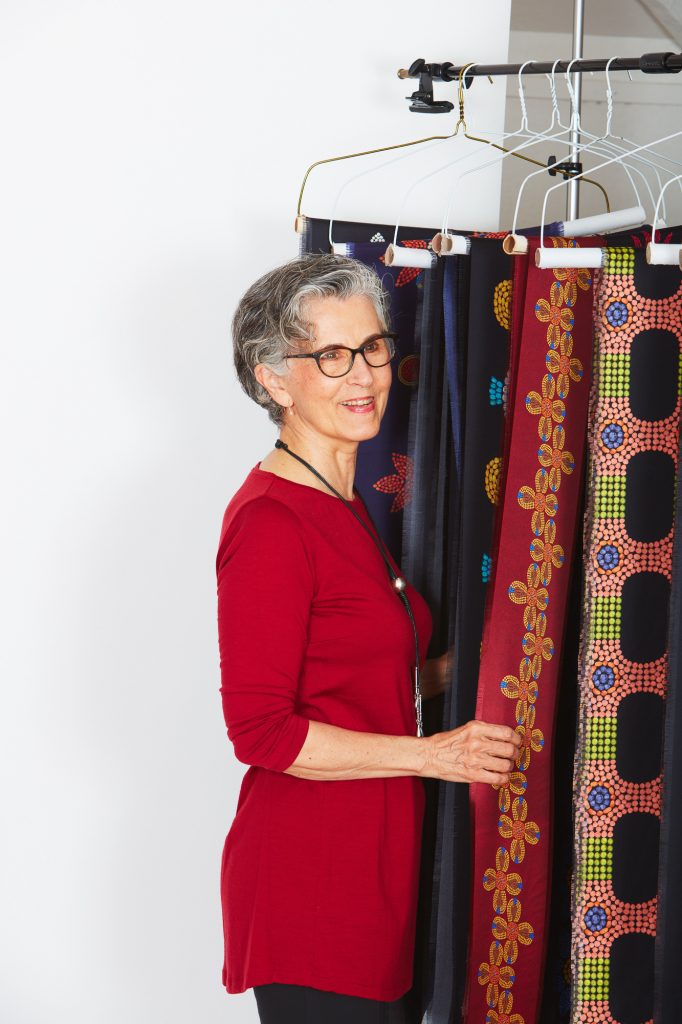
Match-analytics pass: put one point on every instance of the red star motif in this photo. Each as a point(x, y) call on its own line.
point(399, 483)
point(407, 274)
point(639, 244)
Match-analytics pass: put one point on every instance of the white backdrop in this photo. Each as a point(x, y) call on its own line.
point(152, 155)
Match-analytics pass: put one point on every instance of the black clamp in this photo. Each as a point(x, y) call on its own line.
point(422, 101)
point(657, 64)
point(568, 168)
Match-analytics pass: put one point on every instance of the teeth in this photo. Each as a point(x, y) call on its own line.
point(359, 401)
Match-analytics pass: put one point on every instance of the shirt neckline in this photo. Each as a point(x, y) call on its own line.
point(353, 501)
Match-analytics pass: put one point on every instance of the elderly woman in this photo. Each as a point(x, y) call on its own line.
point(320, 866)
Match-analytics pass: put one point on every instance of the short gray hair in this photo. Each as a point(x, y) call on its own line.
point(269, 322)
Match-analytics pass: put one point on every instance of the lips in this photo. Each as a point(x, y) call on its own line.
point(360, 405)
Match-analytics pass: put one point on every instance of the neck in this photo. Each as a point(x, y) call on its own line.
point(336, 464)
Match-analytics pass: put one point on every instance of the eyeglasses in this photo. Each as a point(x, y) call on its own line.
point(337, 360)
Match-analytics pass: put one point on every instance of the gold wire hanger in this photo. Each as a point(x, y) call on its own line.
point(298, 222)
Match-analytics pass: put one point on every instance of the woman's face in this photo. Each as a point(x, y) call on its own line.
point(318, 399)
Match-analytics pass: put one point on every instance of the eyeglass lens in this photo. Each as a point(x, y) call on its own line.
point(337, 361)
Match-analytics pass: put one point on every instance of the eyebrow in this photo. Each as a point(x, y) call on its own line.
point(371, 337)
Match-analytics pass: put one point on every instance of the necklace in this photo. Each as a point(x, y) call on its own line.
point(398, 583)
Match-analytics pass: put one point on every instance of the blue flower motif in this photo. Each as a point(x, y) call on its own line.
point(495, 391)
point(603, 677)
point(617, 313)
point(613, 435)
point(608, 557)
point(599, 798)
point(486, 566)
point(595, 919)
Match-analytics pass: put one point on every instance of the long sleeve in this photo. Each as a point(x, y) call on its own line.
point(265, 585)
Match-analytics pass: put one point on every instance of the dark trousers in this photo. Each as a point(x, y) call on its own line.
point(299, 1004)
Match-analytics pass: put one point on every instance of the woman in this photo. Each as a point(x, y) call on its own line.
point(320, 867)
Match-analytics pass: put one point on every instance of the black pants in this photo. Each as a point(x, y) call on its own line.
point(299, 1004)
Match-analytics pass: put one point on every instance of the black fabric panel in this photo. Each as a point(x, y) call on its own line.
point(635, 872)
point(669, 924)
point(649, 473)
point(644, 622)
point(639, 715)
point(631, 979)
point(654, 360)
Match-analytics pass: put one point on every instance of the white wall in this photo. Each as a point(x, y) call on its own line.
point(152, 155)
point(646, 108)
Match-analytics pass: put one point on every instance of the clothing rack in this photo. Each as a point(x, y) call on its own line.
point(659, 63)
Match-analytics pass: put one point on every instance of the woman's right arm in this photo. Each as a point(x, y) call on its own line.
point(475, 752)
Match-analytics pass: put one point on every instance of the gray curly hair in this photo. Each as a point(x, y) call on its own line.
point(269, 322)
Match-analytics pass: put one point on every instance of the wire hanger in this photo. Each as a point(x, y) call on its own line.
point(401, 255)
point(587, 256)
point(661, 253)
point(584, 225)
point(446, 243)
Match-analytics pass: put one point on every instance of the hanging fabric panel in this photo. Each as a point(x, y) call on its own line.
point(383, 472)
point(525, 618)
point(634, 438)
point(669, 924)
point(477, 352)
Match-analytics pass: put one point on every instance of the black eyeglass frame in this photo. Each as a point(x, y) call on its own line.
point(391, 335)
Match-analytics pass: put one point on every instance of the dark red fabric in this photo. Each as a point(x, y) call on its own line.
point(523, 633)
point(319, 878)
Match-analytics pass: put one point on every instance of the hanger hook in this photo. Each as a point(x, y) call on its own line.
point(522, 96)
point(552, 91)
point(575, 116)
point(460, 96)
point(609, 94)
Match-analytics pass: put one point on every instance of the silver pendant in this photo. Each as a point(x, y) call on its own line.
point(418, 702)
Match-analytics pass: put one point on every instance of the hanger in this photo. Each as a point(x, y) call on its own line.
point(299, 222)
point(660, 253)
point(445, 243)
point(588, 256)
point(401, 255)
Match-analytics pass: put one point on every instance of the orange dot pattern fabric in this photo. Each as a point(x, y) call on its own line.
point(623, 662)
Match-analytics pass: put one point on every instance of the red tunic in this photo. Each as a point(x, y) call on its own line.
point(318, 878)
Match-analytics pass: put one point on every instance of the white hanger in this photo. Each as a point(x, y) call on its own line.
point(584, 225)
point(587, 256)
point(659, 252)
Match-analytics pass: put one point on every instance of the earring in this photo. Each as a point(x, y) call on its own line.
point(291, 407)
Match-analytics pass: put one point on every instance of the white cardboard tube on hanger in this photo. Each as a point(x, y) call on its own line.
point(660, 254)
point(299, 224)
point(569, 257)
point(451, 245)
point(515, 245)
point(402, 256)
point(601, 222)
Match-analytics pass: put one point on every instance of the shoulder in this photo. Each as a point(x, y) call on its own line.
point(265, 525)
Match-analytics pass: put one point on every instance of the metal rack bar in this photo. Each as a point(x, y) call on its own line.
point(649, 63)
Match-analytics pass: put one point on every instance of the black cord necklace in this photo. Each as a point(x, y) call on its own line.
point(397, 582)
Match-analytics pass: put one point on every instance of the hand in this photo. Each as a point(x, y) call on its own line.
point(434, 674)
point(475, 752)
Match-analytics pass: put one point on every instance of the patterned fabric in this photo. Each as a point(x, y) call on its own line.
point(634, 438)
point(384, 470)
point(525, 618)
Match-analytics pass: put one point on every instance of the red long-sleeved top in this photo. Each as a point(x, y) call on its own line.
point(318, 878)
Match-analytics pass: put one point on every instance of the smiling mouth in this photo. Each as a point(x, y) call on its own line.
point(360, 404)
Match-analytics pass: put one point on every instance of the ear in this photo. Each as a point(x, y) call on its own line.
point(273, 384)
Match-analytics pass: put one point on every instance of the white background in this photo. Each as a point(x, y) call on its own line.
point(152, 156)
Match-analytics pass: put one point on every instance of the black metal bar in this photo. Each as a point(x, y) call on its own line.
point(649, 63)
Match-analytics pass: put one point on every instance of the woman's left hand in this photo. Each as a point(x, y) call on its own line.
point(434, 674)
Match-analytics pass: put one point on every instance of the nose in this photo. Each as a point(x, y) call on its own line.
point(360, 372)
